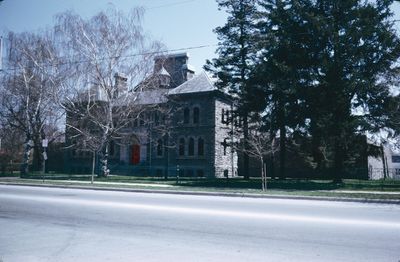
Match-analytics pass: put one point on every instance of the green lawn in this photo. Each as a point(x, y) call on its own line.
point(241, 184)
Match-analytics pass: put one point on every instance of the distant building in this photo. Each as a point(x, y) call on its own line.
point(193, 143)
point(387, 165)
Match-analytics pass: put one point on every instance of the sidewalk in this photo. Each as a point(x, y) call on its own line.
point(363, 192)
point(111, 183)
point(172, 189)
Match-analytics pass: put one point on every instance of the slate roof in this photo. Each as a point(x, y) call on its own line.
point(153, 96)
point(199, 83)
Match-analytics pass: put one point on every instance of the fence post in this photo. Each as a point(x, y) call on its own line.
point(177, 174)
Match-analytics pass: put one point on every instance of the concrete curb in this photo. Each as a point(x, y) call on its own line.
point(221, 194)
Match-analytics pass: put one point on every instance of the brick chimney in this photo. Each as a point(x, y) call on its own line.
point(177, 66)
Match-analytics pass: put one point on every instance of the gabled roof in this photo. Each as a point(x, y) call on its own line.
point(198, 84)
point(163, 71)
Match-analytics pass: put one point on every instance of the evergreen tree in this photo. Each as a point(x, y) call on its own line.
point(282, 68)
point(236, 54)
point(357, 48)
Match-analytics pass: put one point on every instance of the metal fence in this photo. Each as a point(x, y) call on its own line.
point(379, 173)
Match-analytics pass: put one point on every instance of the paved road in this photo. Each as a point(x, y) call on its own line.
point(47, 224)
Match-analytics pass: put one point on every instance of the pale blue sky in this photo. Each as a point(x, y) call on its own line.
point(177, 23)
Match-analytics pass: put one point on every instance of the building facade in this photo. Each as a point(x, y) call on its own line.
point(182, 132)
point(386, 165)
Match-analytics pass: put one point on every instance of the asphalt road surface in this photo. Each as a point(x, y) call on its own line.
point(49, 224)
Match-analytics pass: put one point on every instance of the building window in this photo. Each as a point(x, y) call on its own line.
point(225, 145)
point(395, 159)
point(227, 117)
point(186, 115)
point(223, 116)
point(159, 147)
point(200, 147)
point(191, 146)
point(182, 147)
point(196, 115)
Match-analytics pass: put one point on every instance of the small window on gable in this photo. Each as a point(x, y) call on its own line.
point(186, 115)
point(182, 147)
point(196, 115)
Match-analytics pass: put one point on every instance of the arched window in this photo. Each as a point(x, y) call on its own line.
point(227, 117)
point(186, 115)
point(225, 145)
point(191, 146)
point(196, 115)
point(182, 147)
point(159, 147)
point(200, 147)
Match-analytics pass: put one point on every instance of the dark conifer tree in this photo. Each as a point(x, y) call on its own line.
point(236, 55)
point(357, 49)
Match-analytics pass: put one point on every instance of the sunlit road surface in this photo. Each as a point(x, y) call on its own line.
point(48, 224)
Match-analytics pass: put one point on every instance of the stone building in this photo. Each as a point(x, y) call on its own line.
point(184, 131)
point(386, 165)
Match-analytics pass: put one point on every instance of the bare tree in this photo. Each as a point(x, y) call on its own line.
point(26, 93)
point(258, 143)
point(105, 56)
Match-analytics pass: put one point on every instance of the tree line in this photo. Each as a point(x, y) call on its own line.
point(314, 75)
point(317, 74)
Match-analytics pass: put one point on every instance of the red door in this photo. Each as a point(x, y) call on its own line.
point(135, 158)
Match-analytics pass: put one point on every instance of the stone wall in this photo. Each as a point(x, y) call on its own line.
point(189, 165)
point(226, 159)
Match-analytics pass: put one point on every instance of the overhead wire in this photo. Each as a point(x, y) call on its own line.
point(166, 51)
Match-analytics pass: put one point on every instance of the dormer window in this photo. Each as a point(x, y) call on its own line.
point(165, 81)
point(164, 77)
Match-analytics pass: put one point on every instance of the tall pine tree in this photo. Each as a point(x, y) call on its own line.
point(236, 54)
point(282, 67)
point(357, 49)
